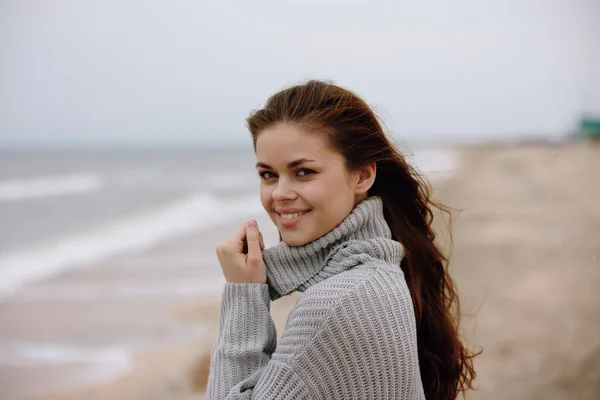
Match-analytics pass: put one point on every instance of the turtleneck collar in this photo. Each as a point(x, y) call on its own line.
point(363, 236)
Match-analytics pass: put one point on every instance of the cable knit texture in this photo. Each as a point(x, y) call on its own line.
point(351, 335)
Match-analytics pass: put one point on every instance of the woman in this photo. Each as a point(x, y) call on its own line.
point(378, 316)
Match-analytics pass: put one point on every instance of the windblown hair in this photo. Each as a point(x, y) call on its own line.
point(353, 130)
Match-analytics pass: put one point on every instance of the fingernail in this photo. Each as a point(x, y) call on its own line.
point(252, 224)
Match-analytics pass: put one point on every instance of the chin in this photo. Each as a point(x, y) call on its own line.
point(294, 239)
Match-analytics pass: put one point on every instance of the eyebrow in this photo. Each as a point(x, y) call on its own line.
point(291, 164)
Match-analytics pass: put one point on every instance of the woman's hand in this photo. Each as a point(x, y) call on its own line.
point(240, 256)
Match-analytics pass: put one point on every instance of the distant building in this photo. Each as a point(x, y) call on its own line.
point(589, 128)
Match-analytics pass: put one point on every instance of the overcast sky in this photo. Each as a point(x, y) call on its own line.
point(153, 73)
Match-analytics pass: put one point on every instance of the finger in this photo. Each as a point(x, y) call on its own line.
point(262, 242)
point(253, 240)
point(240, 232)
point(237, 241)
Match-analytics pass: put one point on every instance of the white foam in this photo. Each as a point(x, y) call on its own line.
point(46, 186)
point(20, 353)
point(205, 288)
point(95, 364)
point(435, 163)
point(195, 212)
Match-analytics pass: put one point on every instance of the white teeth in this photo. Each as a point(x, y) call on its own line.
point(292, 216)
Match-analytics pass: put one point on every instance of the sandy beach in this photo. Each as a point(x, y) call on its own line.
point(526, 259)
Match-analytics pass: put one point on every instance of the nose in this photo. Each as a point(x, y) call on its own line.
point(283, 191)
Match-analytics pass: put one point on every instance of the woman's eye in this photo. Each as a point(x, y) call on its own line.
point(304, 172)
point(265, 175)
point(301, 173)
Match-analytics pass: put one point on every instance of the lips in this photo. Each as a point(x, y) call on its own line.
point(291, 219)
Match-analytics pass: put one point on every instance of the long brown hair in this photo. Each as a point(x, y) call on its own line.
point(354, 131)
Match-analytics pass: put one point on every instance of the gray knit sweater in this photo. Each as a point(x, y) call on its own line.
point(351, 335)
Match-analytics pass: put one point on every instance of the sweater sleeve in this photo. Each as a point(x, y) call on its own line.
point(241, 356)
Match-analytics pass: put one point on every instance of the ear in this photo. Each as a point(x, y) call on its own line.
point(366, 178)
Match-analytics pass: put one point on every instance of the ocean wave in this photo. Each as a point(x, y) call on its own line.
point(95, 364)
point(60, 185)
point(20, 353)
point(434, 163)
point(82, 292)
point(197, 212)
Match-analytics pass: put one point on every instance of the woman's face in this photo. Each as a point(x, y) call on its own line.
point(305, 186)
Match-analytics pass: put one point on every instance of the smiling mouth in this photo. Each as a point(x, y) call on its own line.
point(292, 216)
point(291, 220)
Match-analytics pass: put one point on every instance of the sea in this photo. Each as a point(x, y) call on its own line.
point(60, 209)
